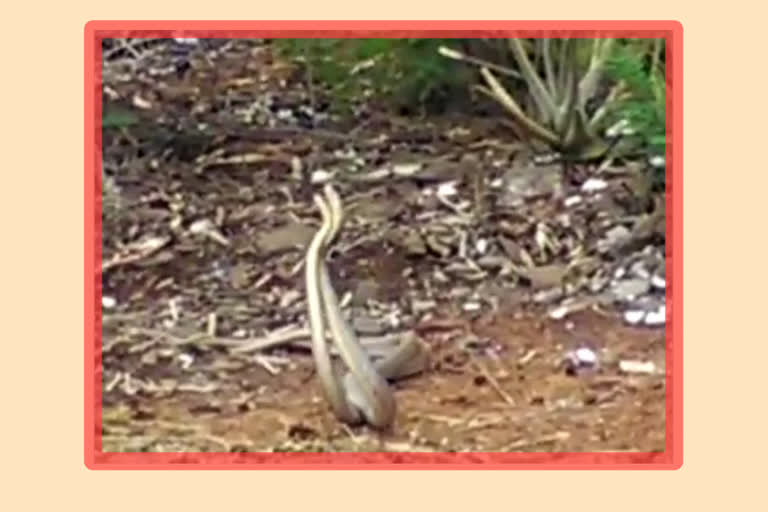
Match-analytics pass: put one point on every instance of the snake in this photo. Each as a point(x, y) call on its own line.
point(363, 394)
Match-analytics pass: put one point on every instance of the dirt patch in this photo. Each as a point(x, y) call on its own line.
point(500, 384)
point(207, 213)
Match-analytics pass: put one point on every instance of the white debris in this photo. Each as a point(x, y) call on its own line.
point(616, 129)
point(581, 360)
point(572, 201)
point(421, 306)
point(362, 65)
point(200, 227)
point(406, 169)
point(141, 103)
point(634, 316)
point(451, 54)
point(657, 317)
point(657, 161)
point(186, 360)
point(558, 313)
point(207, 228)
point(284, 114)
point(594, 185)
point(321, 176)
point(471, 306)
point(546, 158)
point(527, 357)
point(628, 366)
point(628, 131)
point(378, 174)
point(447, 189)
point(290, 297)
point(639, 270)
point(296, 166)
point(108, 302)
point(613, 237)
point(481, 245)
point(658, 282)
point(586, 356)
point(173, 309)
point(629, 289)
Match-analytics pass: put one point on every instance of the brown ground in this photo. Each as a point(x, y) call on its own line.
point(521, 399)
point(497, 381)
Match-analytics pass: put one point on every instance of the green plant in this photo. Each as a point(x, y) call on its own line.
point(639, 64)
point(566, 92)
point(561, 76)
point(117, 117)
point(405, 73)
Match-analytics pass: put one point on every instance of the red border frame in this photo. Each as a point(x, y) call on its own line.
point(670, 458)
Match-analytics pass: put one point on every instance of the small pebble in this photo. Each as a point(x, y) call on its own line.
point(471, 306)
point(447, 189)
point(571, 201)
point(637, 366)
point(657, 317)
point(586, 356)
point(657, 161)
point(634, 317)
point(593, 185)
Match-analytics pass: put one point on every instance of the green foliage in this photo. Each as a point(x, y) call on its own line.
point(411, 74)
point(639, 64)
point(406, 73)
point(117, 117)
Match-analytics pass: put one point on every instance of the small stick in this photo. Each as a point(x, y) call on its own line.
point(493, 382)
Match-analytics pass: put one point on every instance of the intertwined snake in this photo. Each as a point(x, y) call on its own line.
point(363, 394)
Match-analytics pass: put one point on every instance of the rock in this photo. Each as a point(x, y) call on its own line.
point(593, 185)
point(423, 306)
point(367, 325)
point(629, 289)
point(545, 276)
point(614, 237)
point(365, 290)
point(657, 317)
point(447, 189)
point(629, 366)
point(634, 316)
point(240, 276)
point(293, 235)
point(658, 282)
point(414, 244)
point(438, 247)
point(548, 295)
point(290, 297)
point(406, 169)
point(528, 182)
point(380, 208)
point(471, 306)
point(511, 248)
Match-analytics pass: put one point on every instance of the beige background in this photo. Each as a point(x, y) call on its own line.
point(725, 345)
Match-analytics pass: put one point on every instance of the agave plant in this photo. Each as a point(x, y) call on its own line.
point(562, 80)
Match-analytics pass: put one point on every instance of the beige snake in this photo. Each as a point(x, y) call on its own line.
point(363, 394)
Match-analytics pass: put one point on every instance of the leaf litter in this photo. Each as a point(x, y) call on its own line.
point(205, 223)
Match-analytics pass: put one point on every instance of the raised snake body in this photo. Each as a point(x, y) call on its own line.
point(363, 394)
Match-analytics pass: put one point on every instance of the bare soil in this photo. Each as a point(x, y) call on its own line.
point(498, 378)
point(522, 398)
